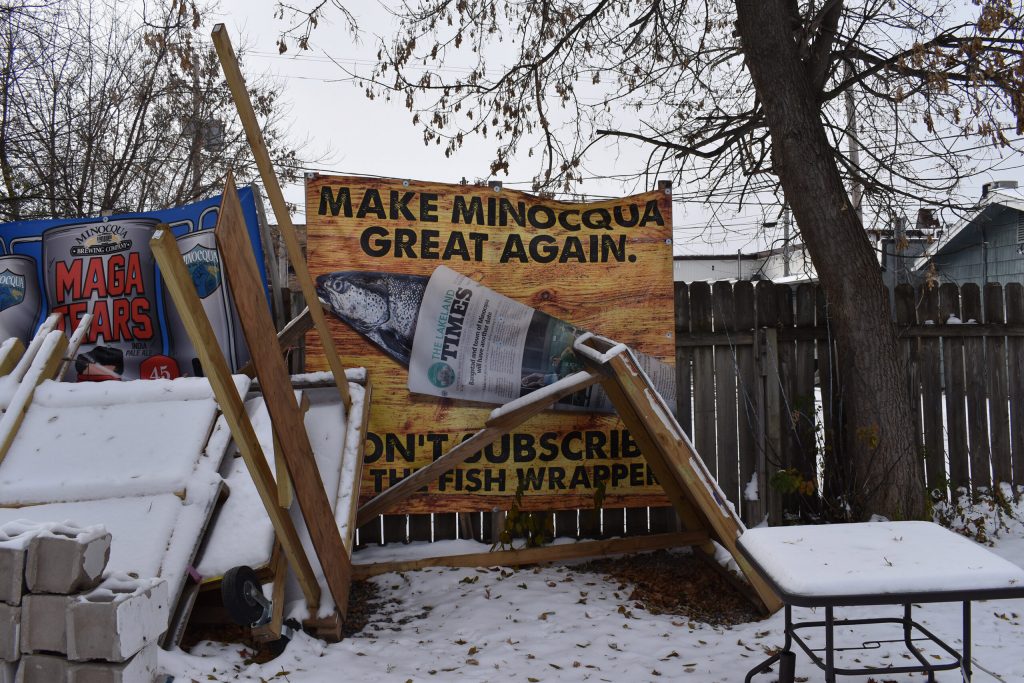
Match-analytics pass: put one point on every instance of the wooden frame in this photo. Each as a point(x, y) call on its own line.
point(693, 491)
point(550, 553)
point(47, 356)
point(275, 383)
point(186, 301)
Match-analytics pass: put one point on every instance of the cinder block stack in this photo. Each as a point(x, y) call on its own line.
point(62, 621)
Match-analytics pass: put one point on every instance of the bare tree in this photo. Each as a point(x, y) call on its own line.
point(739, 98)
point(117, 106)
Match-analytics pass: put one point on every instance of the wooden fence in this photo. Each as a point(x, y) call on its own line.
point(759, 393)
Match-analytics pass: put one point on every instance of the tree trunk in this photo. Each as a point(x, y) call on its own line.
point(881, 472)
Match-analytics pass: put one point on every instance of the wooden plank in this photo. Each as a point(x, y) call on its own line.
point(749, 405)
point(48, 326)
point(821, 332)
point(178, 284)
point(420, 528)
point(370, 532)
point(44, 365)
point(290, 336)
point(636, 521)
point(236, 83)
point(272, 630)
point(956, 391)
point(704, 431)
point(931, 373)
point(394, 529)
point(84, 323)
point(520, 411)
point(677, 465)
point(790, 453)
point(10, 354)
point(445, 526)
point(347, 515)
point(275, 383)
point(831, 409)
point(976, 375)
point(613, 522)
point(906, 314)
point(999, 391)
point(663, 520)
point(590, 523)
point(768, 362)
point(1015, 378)
point(684, 360)
point(724, 320)
point(565, 524)
point(551, 553)
point(803, 408)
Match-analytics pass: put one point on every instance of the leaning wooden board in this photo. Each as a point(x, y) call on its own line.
point(693, 491)
point(261, 338)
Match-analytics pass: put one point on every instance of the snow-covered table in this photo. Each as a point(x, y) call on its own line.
point(887, 563)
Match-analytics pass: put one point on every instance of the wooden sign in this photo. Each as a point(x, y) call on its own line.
point(602, 266)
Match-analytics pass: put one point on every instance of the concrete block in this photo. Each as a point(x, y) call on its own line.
point(117, 619)
point(14, 540)
point(43, 619)
point(67, 559)
point(8, 672)
point(139, 669)
point(42, 669)
point(10, 633)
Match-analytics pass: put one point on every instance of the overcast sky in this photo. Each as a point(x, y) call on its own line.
point(348, 133)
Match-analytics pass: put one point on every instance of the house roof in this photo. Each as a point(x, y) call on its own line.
point(987, 209)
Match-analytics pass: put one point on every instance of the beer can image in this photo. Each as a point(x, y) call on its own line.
point(19, 297)
point(106, 268)
point(199, 251)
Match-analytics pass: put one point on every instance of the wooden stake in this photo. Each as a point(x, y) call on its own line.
point(186, 301)
point(285, 413)
point(502, 423)
point(551, 553)
point(233, 76)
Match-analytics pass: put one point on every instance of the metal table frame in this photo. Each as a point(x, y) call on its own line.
point(787, 657)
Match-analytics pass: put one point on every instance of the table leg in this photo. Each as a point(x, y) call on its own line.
point(785, 657)
point(908, 640)
point(830, 664)
point(965, 663)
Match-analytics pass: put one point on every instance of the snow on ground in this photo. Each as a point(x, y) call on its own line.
point(557, 623)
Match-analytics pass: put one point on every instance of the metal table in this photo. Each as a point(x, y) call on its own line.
point(886, 563)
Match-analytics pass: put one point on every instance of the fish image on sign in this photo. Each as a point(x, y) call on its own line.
point(380, 306)
point(385, 308)
point(19, 297)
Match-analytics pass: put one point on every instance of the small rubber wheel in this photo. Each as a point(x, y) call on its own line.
point(787, 667)
point(236, 593)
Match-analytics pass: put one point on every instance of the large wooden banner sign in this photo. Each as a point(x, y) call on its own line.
point(458, 298)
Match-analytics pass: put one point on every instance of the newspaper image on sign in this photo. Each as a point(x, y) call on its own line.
point(475, 344)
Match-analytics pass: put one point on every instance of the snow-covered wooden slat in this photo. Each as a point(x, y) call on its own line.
point(44, 366)
point(10, 353)
point(76, 340)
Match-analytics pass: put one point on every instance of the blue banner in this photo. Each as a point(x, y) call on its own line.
point(104, 266)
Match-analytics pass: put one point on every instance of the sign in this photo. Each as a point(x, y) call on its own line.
point(379, 248)
point(104, 266)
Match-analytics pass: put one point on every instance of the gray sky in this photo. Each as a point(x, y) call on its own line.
point(351, 134)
